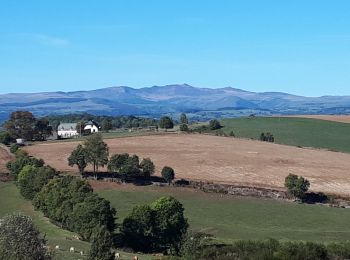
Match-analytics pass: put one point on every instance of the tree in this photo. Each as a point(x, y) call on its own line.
point(166, 122)
point(42, 129)
point(31, 179)
point(297, 186)
point(16, 165)
point(183, 128)
point(168, 174)
point(5, 138)
point(158, 226)
point(170, 223)
point(214, 124)
point(101, 246)
point(117, 161)
point(79, 157)
point(106, 124)
point(20, 239)
point(97, 151)
point(21, 125)
point(124, 164)
point(147, 167)
point(138, 228)
point(183, 119)
point(268, 137)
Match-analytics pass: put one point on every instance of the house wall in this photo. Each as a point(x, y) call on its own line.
point(93, 128)
point(67, 133)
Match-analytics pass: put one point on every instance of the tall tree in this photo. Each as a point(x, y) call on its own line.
point(297, 186)
point(183, 119)
point(168, 174)
point(42, 129)
point(79, 157)
point(20, 239)
point(101, 246)
point(21, 125)
point(147, 167)
point(166, 122)
point(106, 124)
point(97, 151)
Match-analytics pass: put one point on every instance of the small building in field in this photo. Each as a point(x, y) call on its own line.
point(92, 127)
point(67, 130)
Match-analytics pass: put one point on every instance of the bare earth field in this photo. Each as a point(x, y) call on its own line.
point(223, 159)
point(335, 118)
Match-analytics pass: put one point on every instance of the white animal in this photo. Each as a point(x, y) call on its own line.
point(71, 249)
point(81, 253)
point(117, 255)
point(57, 247)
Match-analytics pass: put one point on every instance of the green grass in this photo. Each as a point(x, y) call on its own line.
point(303, 132)
point(11, 201)
point(231, 218)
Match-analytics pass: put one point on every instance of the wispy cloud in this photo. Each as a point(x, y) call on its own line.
point(45, 39)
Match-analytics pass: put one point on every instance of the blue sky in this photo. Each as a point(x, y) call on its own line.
point(299, 46)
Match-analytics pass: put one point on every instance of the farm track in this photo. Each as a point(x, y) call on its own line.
point(223, 160)
point(5, 156)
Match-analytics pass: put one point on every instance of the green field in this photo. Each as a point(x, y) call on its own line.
point(229, 218)
point(11, 201)
point(293, 131)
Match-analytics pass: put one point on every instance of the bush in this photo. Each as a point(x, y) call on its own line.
point(166, 122)
point(147, 167)
point(16, 165)
point(214, 124)
point(268, 137)
point(168, 174)
point(183, 128)
point(14, 148)
point(5, 138)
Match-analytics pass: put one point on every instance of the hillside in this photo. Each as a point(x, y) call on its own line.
point(200, 103)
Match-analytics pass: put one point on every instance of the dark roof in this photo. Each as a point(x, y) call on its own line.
point(92, 122)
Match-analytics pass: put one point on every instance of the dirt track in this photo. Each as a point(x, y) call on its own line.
point(5, 156)
point(340, 118)
point(223, 159)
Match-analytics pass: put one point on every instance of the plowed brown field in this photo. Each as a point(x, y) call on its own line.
point(223, 159)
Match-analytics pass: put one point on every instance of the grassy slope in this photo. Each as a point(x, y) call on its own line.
point(231, 218)
point(11, 201)
point(294, 131)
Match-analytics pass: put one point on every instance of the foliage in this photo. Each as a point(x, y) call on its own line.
point(31, 179)
point(147, 167)
point(20, 239)
point(79, 157)
point(297, 186)
point(106, 124)
point(268, 137)
point(116, 121)
point(184, 128)
point(183, 119)
point(101, 246)
point(5, 138)
point(214, 124)
point(97, 151)
point(42, 129)
point(70, 202)
point(158, 226)
point(16, 165)
point(14, 148)
point(192, 243)
point(168, 173)
point(232, 134)
point(166, 122)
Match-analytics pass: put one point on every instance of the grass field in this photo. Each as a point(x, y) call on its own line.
point(303, 132)
point(229, 218)
point(11, 201)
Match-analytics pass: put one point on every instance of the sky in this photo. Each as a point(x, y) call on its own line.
point(300, 46)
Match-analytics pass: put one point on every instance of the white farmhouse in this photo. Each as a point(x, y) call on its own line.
point(92, 127)
point(67, 130)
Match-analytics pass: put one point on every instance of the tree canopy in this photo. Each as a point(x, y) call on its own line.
point(166, 122)
point(297, 186)
point(79, 157)
point(168, 173)
point(97, 151)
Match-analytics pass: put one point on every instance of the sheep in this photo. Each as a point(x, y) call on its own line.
point(57, 247)
point(71, 249)
point(116, 255)
point(135, 258)
point(81, 252)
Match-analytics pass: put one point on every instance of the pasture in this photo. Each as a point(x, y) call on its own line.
point(303, 132)
point(221, 160)
point(229, 218)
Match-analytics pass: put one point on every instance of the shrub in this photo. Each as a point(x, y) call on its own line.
point(16, 165)
point(214, 124)
point(5, 138)
point(183, 127)
point(14, 148)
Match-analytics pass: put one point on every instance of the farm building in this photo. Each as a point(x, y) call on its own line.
point(92, 127)
point(67, 130)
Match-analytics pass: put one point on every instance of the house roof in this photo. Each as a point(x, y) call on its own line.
point(67, 126)
point(92, 123)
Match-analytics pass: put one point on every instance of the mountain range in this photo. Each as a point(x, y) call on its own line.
point(199, 103)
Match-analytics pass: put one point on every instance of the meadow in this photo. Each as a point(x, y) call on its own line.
point(230, 218)
point(303, 132)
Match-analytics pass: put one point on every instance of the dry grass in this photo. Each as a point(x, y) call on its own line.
point(223, 159)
